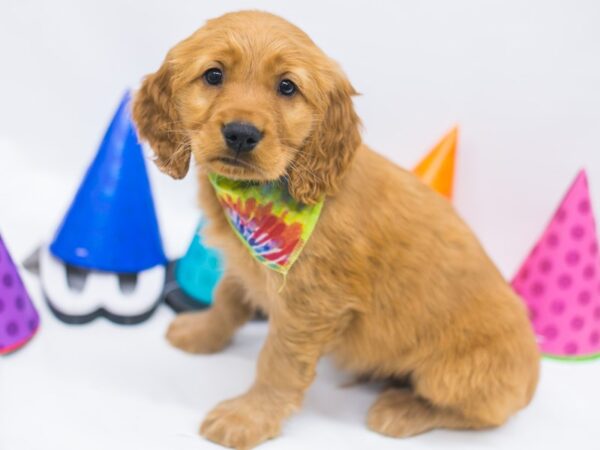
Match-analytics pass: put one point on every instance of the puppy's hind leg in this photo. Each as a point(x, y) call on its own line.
point(211, 330)
point(479, 390)
point(399, 412)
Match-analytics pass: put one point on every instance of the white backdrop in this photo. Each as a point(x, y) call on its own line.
point(522, 79)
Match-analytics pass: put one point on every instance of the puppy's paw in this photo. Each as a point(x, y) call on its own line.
point(399, 413)
point(241, 423)
point(198, 332)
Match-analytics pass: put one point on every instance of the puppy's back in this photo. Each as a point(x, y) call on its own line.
point(428, 288)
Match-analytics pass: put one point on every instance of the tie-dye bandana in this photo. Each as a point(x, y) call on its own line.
point(272, 225)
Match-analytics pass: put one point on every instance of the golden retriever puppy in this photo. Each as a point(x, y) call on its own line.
point(391, 283)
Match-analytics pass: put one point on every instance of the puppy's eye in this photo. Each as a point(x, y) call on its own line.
point(287, 88)
point(213, 76)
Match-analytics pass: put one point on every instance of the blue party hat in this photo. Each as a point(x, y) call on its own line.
point(111, 224)
point(200, 269)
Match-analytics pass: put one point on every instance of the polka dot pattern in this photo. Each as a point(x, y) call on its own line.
point(560, 280)
point(18, 318)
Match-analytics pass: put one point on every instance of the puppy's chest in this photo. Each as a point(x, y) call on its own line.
point(260, 282)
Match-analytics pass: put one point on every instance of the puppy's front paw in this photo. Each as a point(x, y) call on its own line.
point(198, 332)
point(241, 423)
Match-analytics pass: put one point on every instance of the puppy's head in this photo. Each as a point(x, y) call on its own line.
point(253, 98)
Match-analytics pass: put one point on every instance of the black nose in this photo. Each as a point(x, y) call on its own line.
point(241, 137)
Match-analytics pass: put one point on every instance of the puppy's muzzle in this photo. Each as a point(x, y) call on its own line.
point(241, 137)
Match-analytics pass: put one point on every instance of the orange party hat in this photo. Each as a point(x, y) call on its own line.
point(437, 168)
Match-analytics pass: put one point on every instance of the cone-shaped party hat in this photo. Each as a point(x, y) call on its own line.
point(560, 279)
point(437, 168)
point(111, 224)
point(18, 318)
point(200, 269)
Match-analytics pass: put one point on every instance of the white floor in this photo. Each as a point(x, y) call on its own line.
point(102, 386)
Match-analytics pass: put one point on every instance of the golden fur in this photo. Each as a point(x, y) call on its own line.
point(392, 283)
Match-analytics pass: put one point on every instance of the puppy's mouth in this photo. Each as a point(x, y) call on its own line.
point(231, 161)
point(237, 167)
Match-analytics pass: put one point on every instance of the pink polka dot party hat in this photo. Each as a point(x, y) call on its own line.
point(560, 279)
point(19, 319)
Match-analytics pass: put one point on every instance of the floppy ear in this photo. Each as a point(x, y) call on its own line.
point(157, 121)
point(323, 160)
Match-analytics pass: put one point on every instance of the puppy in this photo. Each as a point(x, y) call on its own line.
point(391, 283)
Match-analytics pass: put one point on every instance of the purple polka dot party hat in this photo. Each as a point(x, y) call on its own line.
point(560, 279)
point(19, 319)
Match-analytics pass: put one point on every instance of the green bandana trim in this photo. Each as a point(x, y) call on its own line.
point(270, 223)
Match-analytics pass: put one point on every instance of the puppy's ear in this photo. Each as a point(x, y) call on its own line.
point(323, 160)
point(157, 121)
